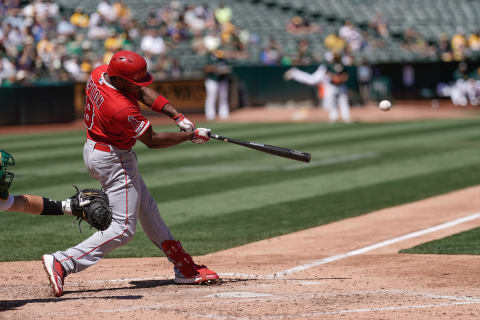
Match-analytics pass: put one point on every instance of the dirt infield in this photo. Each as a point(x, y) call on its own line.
point(344, 270)
point(349, 269)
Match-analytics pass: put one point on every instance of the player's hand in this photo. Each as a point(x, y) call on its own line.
point(201, 135)
point(183, 123)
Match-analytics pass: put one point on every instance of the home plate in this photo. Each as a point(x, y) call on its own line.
point(238, 295)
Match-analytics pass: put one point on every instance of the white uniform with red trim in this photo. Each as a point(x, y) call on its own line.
point(114, 123)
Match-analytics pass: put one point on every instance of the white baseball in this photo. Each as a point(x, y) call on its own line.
point(385, 105)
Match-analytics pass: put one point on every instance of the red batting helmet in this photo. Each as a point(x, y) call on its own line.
point(130, 66)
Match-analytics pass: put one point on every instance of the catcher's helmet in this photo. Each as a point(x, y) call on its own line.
point(130, 66)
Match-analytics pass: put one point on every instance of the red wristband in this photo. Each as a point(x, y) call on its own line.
point(159, 103)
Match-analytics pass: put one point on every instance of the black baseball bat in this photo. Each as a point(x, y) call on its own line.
point(277, 151)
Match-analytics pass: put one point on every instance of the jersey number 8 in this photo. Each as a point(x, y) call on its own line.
point(89, 113)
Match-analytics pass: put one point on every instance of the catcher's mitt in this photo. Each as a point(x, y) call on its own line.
point(92, 205)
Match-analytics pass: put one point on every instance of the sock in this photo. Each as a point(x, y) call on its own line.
point(7, 203)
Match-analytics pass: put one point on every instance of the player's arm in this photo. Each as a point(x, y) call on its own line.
point(159, 103)
point(157, 140)
point(33, 204)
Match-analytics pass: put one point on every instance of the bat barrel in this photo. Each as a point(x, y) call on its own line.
point(277, 151)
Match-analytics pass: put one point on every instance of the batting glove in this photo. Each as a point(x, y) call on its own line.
point(183, 123)
point(201, 135)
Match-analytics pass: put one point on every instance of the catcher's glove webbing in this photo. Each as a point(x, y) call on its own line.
point(6, 178)
point(92, 205)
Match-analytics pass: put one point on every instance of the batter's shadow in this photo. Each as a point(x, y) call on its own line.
point(6, 305)
point(134, 285)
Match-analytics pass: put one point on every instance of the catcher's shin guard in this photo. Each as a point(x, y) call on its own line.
point(6, 178)
point(191, 273)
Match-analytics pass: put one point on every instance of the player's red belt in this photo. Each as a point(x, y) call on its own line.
point(102, 147)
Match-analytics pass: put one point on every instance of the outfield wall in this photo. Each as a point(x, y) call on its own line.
point(50, 103)
point(250, 86)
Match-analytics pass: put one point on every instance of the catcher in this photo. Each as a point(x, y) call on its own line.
point(91, 205)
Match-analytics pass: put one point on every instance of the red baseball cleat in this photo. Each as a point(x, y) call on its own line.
point(55, 273)
point(202, 275)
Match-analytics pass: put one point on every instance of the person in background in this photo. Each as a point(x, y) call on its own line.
point(217, 73)
point(331, 79)
point(364, 77)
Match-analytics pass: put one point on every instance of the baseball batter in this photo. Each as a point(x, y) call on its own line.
point(114, 124)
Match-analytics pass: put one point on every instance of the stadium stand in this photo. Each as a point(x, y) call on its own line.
point(63, 40)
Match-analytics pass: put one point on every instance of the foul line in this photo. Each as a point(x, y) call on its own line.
point(375, 246)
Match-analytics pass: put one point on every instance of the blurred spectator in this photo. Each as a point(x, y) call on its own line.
point(301, 25)
point(474, 41)
point(97, 29)
point(105, 9)
point(152, 43)
point(153, 21)
point(271, 54)
point(65, 28)
point(121, 11)
point(334, 43)
point(223, 14)
point(7, 70)
point(413, 41)
point(351, 35)
point(113, 42)
point(303, 55)
point(165, 67)
point(198, 45)
point(459, 45)
point(79, 18)
point(444, 50)
point(195, 18)
point(212, 41)
point(380, 26)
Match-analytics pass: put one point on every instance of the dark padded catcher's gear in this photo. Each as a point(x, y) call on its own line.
point(6, 178)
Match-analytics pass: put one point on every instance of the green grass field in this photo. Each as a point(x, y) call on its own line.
point(218, 195)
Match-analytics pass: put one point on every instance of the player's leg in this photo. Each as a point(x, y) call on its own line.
point(344, 105)
point(211, 87)
point(223, 105)
point(118, 174)
point(120, 179)
point(471, 92)
point(457, 94)
point(329, 102)
point(149, 216)
point(186, 271)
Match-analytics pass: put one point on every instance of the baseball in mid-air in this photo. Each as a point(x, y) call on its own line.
point(385, 105)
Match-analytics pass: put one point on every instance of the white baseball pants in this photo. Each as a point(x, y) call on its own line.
point(216, 89)
point(335, 99)
point(129, 197)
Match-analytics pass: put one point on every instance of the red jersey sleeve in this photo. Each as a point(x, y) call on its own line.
point(131, 122)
